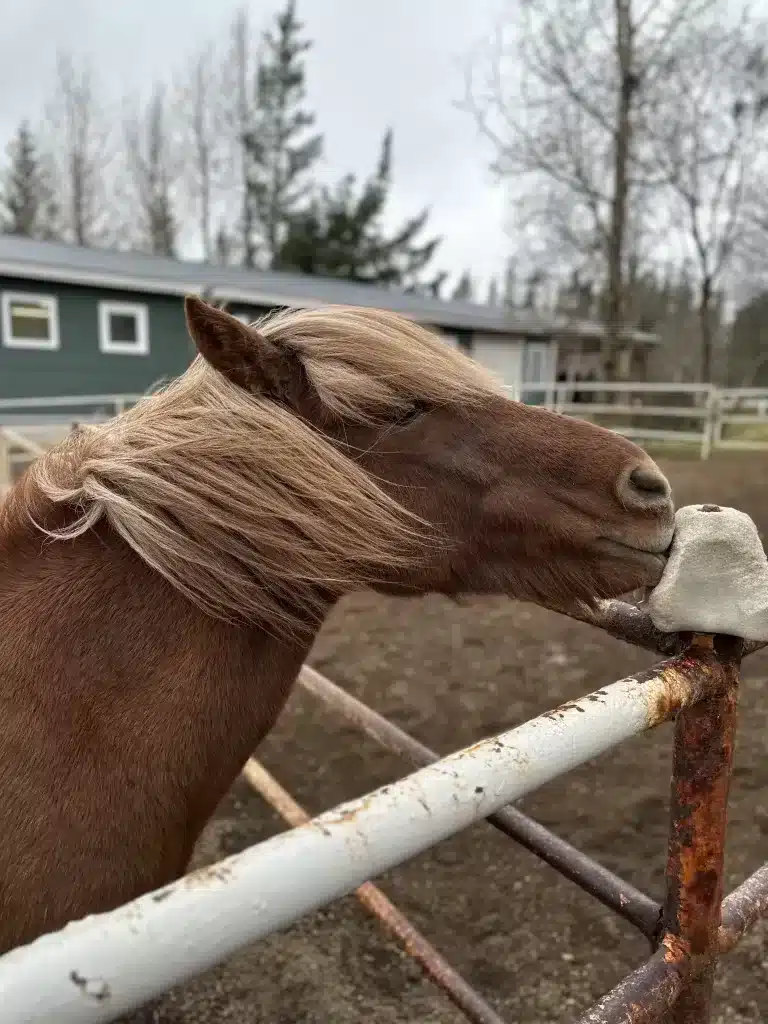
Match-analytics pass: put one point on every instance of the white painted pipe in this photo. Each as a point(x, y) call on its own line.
point(107, 964)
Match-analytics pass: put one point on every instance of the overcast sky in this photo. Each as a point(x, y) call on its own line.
point(374, 63)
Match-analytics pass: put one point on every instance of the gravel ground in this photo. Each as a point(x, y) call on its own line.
point(532, 943)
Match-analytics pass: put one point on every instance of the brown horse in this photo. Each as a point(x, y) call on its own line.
point(163, 575)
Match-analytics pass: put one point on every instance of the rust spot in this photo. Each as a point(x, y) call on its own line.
point(344, 815)
point(682, 681)
point(675, 949)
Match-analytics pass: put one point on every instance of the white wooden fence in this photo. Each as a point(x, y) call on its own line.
point(700, 417)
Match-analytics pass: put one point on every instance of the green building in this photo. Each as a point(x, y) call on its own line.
point(83, 330)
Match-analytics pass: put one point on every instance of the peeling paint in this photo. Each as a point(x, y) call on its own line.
point(206, 876)
point(94, 988)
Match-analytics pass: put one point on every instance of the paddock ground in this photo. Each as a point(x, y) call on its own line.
point(539, 949)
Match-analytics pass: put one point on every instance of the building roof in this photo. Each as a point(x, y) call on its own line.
point(130, 271)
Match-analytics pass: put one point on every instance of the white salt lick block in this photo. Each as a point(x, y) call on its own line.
point(716, 579)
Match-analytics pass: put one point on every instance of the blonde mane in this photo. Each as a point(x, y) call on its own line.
point(244, 508)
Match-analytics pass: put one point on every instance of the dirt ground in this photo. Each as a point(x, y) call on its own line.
point(538, 948)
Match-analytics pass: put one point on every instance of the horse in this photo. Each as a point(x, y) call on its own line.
point(163, 574)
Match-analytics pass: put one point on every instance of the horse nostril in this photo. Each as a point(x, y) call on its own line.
point(648, 481)
point(645, 486)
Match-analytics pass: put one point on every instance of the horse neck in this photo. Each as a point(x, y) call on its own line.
point(120, 665)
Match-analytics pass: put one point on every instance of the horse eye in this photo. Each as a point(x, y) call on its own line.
point(411, 414)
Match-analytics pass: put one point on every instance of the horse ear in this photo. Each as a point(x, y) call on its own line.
point(239, 352)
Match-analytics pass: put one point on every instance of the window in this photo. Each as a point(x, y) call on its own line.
point(538, 370)
point(123, 329)
point(30, 321)
point(536, 363)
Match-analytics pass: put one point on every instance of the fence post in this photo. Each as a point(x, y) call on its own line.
point(701, 774)
point(711, 422)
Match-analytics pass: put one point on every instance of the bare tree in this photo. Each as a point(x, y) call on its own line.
point(80, 140)
point(196, 112)
point(711, 147)
point(242, 123)
point(567, 92)
point(153, 167)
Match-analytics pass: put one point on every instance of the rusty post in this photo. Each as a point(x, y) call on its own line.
point(702, 758)
point(434, 965)
point(613, 892)
point(647, 993)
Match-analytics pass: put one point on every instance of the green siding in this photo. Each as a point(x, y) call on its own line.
point(78, 367)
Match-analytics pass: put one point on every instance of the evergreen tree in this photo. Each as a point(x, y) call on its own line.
point(340, 234)
point(464, 288)
point(493, 293)
point(278, 150)
point(27, 204)
point(748, 351)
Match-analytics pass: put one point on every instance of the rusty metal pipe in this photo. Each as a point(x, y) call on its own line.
point(701, 774)
point(743, 908)
point(595, 879)
point(643, 997)
point(434, 965)
point(631, 624)
point(647, 994)
point(613, 892)
point(159, 940)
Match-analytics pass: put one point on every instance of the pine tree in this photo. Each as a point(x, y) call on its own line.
point(27, 205)
point(340, 234)
point(278, 150)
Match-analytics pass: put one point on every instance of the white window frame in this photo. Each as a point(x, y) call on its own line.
point(50, 344)
point(124, 348)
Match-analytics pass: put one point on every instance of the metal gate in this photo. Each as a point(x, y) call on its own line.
point(103, 966)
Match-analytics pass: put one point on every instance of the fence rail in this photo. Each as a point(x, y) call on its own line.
point(109, 964)
point(706, 416)
point(703, 417)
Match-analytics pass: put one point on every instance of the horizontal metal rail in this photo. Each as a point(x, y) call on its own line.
point(652, 989)
point(712, 408)
point(621, 897)
point(108, 964)
point(434, 965)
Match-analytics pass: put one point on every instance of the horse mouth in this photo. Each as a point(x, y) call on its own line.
point(652, 561)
